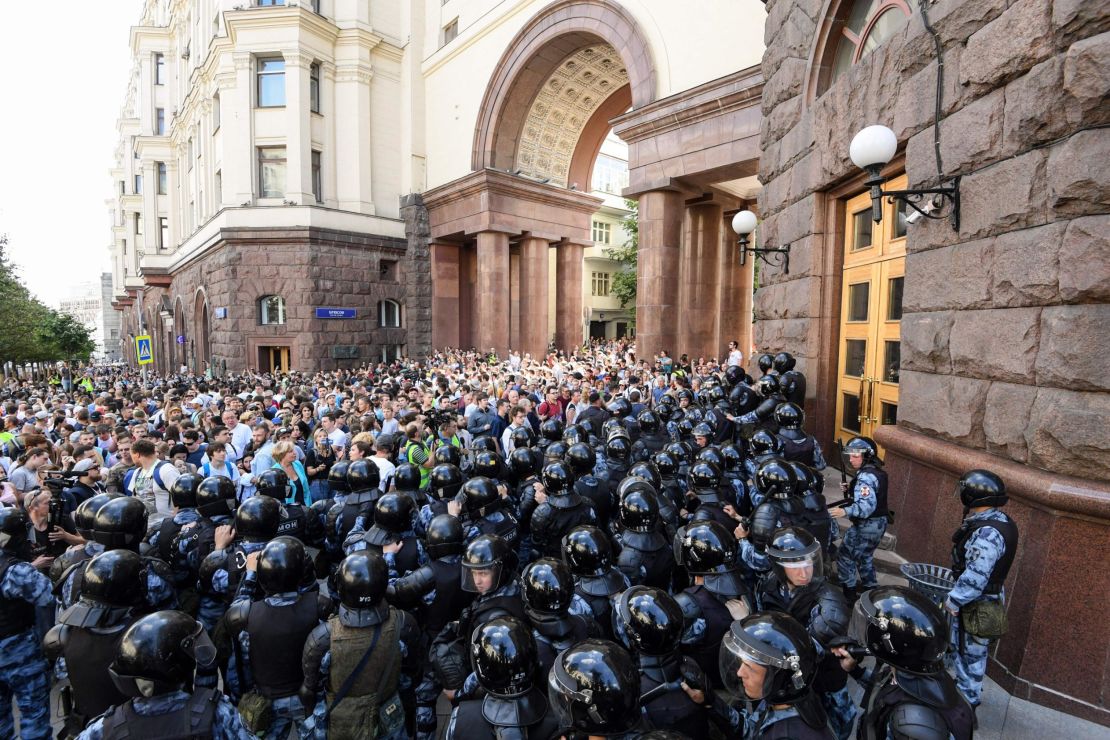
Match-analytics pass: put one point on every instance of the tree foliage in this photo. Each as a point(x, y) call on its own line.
point(30, 331)
point(623, 286)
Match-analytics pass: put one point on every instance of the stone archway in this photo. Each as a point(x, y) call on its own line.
point(545, 113)
point(202, 346)
point(179, 350)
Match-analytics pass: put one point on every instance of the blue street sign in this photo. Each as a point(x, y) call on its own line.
point(143, 350)
point(181, 339)
point(335, 313)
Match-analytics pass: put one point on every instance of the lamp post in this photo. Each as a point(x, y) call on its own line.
point(871, 149)
point(744, 223)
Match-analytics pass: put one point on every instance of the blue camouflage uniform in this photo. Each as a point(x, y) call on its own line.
point(288, 710)
point(180, 563)
point(857, 553)
point(160, 594)
point(23, 668)
point(226, 724)
point(982, 551)
point(213, 600)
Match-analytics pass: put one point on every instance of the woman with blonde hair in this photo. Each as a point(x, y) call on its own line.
point(285, 459)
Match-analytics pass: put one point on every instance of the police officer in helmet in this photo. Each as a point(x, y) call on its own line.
point(297, 520)
point(392, 534)
point(796, 444)
point(868, 513)
point(646, 556)
point(561, 510)
point(503, 656)
point(769, 658)
point(984, 548)
point(908, 694)
point(154, 665)
point(557, 616)
point(588, 552)
point(594, 689)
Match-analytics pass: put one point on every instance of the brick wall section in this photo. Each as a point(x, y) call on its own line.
point(309, 268)
point(1006, 324)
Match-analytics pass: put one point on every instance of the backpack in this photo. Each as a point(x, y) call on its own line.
point(157, 477)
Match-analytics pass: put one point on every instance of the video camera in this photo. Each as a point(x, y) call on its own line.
point(56, 482)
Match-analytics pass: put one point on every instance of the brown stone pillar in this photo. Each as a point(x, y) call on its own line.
point(491, 319)
point(697, 319)
point(533, 296)
point(445, 295)
point(468, 306)
point(735, 316)
point(568, 295)
point(514, 298)
point(660, 227)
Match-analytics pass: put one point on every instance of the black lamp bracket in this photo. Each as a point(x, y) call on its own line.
point(765, 255)
point(919, 197)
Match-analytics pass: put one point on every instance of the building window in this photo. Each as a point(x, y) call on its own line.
point(603, 232)
point(271, 82)
point(315, 4)
point(160, 121)
point(271, 309)
point(387, 271)
point(138, 184)
point(138, 224)
point(163, 232)
point(610, 174)
point(190, 157)
point(270, 3)
point(219, 188)
point(600, 284)
point(215, 113)
point(123, 187)
point(162, 179)
point(450, 32)
point(317, 182)
point(271, 171)
point(314, 87)
point(389, 314)
point(159, 69)
point(858, 29)
point(391, 352)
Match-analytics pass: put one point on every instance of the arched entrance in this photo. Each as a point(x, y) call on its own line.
point(202, 343)
point(179, 346)
point(544, 116)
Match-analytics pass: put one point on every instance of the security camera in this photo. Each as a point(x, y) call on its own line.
point(914, 217)
point(926, 208)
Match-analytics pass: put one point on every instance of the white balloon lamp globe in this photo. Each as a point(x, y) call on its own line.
point(744, 223)
point(874, 146)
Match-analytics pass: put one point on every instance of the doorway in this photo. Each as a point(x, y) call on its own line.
point(273, 359)
point(597, 330)
point(870, 317)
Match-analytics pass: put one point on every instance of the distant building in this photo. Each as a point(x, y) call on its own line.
point(91, 304)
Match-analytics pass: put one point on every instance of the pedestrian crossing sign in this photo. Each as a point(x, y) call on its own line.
point(143, 350)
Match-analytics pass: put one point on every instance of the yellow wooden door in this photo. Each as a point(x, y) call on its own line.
point(870, 317)
point(279, 359)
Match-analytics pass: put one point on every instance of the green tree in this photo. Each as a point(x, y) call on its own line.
point(623, 286)
point(70, 339)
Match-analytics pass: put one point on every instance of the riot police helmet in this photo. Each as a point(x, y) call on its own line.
point(620, 407)
point(487, 564)
point(648, 620)
point(789, 416)
point(444, 537)
point(711, 454)
point(587, 551)
point(523, 436)
point(649, 421)
point(742, 399)
point(394, 513)
point(446, 481)
point(646, 469)
point(363, 475)
point(781, 645)
point(581, 458)
point(575, 433)
point(273, 483)
point(551, 429)
point(503, 655)
point(765, 362)
point(901, 627)
point(732, 456)
point(809, 480)
point(281, 566)
point(362, 579)
point(85, 514)
point(481, 495)
point(447, 455)
point(707, 548)
point(666, 462)
point(337, 477)
point(120, 524)
point(594, 688)
point(767, 386)
point(762, 443)
point(547, 589)
point(216, 496)
point(522, 463)
point(795, 557)
point(703, 430)
point(115, 578)
point(703, 476)
point(864, 446)
point(257, 519)
point(487, 444)
point(679, 451)
point(734, 375)
point(554, 451)
point(558, 478)
point(618, 448)
point(981, 488)
point(775, 478)
point(613, 426)
point(639, 507)
point(406, 477)
point(183, 492)
point(159, 654)
point(784, 362)
point(488, 465)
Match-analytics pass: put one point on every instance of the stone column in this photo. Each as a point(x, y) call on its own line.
point(329, 158)
point(733, 320)
point(352, 137)
point(568, 295)
point(491, 320)
point(445, 295)
point(533, 296)
point(699, 270)
point(236, 124)
point(298, 129)
point(660, 218)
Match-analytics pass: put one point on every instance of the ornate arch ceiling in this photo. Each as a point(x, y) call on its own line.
point(563, 106)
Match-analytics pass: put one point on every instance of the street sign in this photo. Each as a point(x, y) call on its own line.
point(335, 313)
point(143, 349)
point(181, 339)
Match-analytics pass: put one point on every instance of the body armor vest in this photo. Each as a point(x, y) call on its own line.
point(167, 537)
point(274, 631)
point(191, 722)
point(718, 619)
point(802, 449)
point(1008, 530)
point(671, 709)
point(450, 598)
point(88, 655)
point(881, 509)
point(885, 695)
point(379, 676)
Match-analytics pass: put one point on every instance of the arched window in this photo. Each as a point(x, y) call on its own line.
point(271, 309)
point(389, 314)
point(858, 28)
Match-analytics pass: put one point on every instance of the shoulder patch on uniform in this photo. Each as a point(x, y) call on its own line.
point(865, 491)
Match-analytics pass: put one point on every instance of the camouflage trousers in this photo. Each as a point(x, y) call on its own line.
point(857, 553)
point(23, 674)
point(841, 710)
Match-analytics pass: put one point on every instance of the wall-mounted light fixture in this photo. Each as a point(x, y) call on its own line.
point(744, 223)
point(871, 149)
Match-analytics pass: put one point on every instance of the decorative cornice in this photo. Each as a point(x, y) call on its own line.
point(294, 58)
point(357, 72)
point(502, 183)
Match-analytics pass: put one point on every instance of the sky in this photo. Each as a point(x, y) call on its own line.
point(63, 75)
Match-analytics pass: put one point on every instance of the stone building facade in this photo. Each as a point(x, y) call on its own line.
point(1003, 321)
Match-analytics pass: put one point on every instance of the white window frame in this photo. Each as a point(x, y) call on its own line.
point(264, 317)
point(384, 314)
